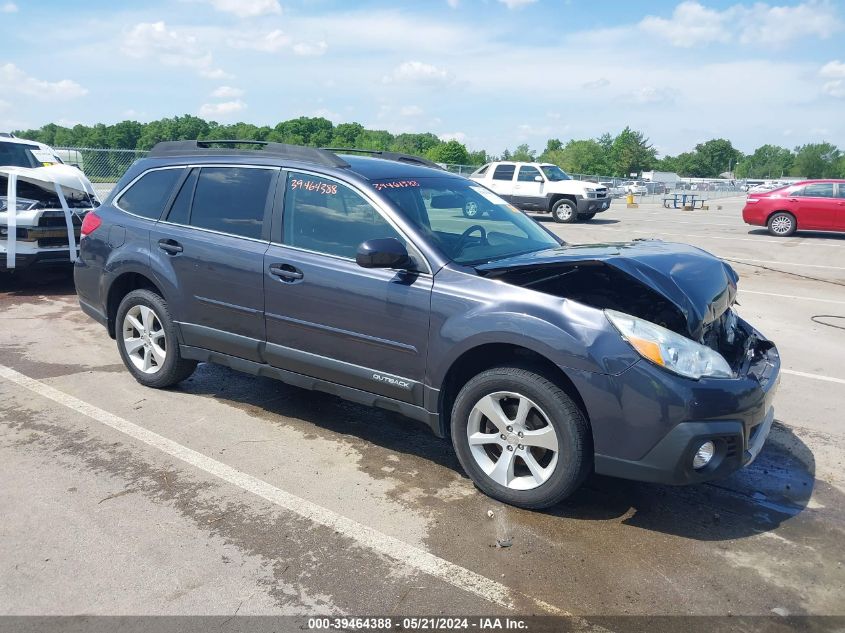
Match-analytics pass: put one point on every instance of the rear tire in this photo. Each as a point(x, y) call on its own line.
point(564, 211)
point(147, 341)
point(782, 224)
point(547, 448)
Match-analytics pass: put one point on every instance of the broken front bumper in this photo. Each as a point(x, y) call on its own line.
point(735, 414)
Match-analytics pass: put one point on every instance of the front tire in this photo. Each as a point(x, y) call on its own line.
point(782, 224)
point(147, 341)
point(564, 211)
point(520, 438)
point(587, 217)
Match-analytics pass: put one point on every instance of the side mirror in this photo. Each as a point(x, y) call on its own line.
point(538, 179)
point(383, 252)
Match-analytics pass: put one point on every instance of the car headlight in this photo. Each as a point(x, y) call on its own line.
point(671, 351)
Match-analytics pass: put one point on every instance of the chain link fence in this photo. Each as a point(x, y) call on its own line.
point(104, 167)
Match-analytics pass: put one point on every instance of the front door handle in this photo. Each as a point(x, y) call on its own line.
point(171, 247)
point(286, 272)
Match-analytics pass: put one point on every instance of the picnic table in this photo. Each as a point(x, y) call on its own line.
point(681, 200)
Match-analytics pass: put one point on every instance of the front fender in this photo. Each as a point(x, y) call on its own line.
point(569, 334)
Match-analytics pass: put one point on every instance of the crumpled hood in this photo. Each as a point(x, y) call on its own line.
point(67, 176)
point(699, 284)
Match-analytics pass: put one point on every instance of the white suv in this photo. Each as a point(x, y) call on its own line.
point(543, 187)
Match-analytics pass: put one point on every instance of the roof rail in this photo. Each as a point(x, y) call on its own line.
point(395, 156)
point(280, 150)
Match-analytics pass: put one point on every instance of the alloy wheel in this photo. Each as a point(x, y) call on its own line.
point(143, 339)
point(512, 440)
point(781, 225)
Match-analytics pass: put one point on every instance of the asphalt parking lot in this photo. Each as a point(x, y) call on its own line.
point(234, 494)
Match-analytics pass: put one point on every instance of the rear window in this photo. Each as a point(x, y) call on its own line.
point(148, 196)
point(504, 172)
point(18, 155)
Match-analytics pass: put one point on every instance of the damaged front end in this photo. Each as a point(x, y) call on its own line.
point(675, 286)
point(41, 212)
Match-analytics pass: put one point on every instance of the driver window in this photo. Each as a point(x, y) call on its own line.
point(325, 216)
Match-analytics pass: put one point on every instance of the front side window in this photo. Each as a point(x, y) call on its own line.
point(819, 190)
point(468, 223)
point(504, 172)
point(231, 200)
point(150, 193)
point(528, 174)
point(325, 216)
point(555, 173)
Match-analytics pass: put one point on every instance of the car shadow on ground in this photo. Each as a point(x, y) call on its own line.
point(54, 281)
point(829, 235)
point(759, 498)
point(547, 219)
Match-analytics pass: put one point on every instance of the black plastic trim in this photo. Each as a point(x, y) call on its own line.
point(432, 420)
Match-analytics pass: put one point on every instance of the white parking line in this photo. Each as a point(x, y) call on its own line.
point(774, 294)
point(803, 374)
point(779, 263)
point(365, 536)
point(761, 240)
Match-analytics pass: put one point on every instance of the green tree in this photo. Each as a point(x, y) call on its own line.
point(452, 152)
point(579, 157)
point(631, 153)
point(524, 153)
point(346, 134)
point(417, 144)
point(767, 161)
point(715, 157)
point(817, 160)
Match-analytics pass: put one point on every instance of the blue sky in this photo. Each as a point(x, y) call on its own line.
point(492, 73)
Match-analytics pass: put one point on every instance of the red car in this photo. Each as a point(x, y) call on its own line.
point(812, 205)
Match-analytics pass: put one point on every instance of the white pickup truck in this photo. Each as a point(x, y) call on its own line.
point(543, 187)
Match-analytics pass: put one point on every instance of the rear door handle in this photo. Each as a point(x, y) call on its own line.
point(171, 247)
point(286, 272)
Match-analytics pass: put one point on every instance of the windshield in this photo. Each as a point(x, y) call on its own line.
point(18, 155)
point(468, 223)
point(555, 173)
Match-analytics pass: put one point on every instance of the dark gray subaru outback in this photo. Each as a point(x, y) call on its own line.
point(360, 276)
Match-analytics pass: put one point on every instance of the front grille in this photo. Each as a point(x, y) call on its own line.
point(49, 242)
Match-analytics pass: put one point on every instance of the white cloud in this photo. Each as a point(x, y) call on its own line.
point(14, 79)
point(651, 95)
point(835, 72)
point(516, 4)
point(326, 113)
point(271, 42)
point(216, 73)
point(594, 84)
point(835, 69)
point(461, 137)
point(419, 72)
point(453, 3)
point(221, 110)
point(170, 47)
point(4, 105)
point(247, 8)
point(8, 7)
point(227, 92)
point(763, 24)
point(411, 111)
point(691, 24)
point(835, 88)
point(304, 49)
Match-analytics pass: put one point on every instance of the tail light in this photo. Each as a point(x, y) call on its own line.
point(90, 224)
